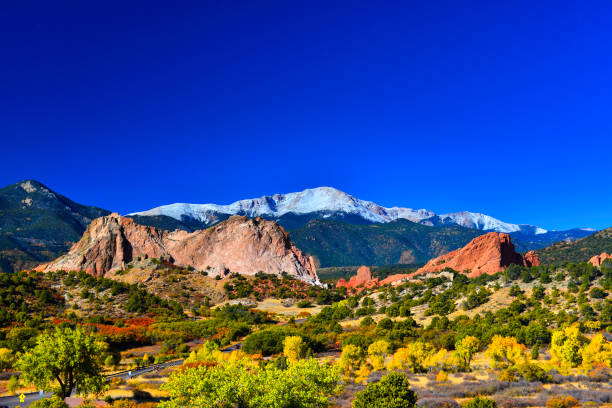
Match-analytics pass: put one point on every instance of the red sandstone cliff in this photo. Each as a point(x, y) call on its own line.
point(241, 245)
point(489, 253)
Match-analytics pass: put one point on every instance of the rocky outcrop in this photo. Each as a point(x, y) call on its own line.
point(489, 253)
point(531, 258)
point(363, 279)
point(239, 244)
point(597, 260)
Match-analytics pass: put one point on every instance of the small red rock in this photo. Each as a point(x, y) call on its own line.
point(363, 279)
point(597, 260)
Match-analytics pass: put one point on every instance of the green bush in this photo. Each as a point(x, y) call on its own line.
point(477, 298)
point(533, 372)
point(386, 324)
point(270, 341)
point(480, 402)
point(359, 340)
point(54, 402)
point(535, 352)
point(597, 293)
point(392, 391)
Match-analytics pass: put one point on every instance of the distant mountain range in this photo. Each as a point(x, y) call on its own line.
point(38, 224)
point(339, 229)
point(296, 209)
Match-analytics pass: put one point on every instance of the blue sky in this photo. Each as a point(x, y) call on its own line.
point(497, 107)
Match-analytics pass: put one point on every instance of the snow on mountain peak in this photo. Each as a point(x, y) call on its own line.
point(328, 200)
point(478, 221)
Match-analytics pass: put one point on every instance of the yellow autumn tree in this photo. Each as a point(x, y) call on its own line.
point(442, 376)
point(412, 357)
point(506, 352)
point(351, 359)
point(206, 352)
point(442, 360)
point(377, 352)
point(566, 346)
point(7, 358)
point(361, 375)
point(236, 355)
point(598, 351)
point(465, 350)
point(593, 325)
point(294, 348)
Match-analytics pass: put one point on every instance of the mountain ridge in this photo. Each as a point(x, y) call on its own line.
point(329, 202)
point(37, 224)
point(580, 250)
point(336, 243)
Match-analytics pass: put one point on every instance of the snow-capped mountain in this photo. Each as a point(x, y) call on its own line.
point(487, 223)
point(317, 200)
point(329, 202)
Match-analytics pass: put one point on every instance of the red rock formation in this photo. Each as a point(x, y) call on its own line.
point(531, 258)
point(363, 279)
point(489, 253)
point(241, 245)
point(597, 260)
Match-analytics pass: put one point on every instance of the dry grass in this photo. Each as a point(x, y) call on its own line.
point(170, 283)
point(276, 306)
point(138, 388)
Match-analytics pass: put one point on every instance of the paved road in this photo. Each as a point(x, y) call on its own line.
point(13, 401)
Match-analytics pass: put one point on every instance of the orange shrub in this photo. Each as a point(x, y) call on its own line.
point(562, 402)
point(123, 335)
point(600, 373)
point(223, 331)
point(115, 381)
point(140, 321)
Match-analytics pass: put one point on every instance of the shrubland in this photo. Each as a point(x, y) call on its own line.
point(442, 338)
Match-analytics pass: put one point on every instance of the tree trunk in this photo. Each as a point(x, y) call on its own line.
point(62, 386)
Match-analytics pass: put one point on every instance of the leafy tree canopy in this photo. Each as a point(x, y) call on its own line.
point(68, 357)
point(244, 384)
point(392, 391)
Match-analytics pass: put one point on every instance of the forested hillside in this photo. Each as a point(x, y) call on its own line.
point(578, 251)
point(335, 243)
point(37, 224)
